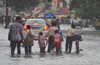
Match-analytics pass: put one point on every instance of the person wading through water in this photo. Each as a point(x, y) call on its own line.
point(50, 33)
point(70, 32)
point(16, 35)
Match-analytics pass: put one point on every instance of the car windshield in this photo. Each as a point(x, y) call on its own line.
point(35, 21)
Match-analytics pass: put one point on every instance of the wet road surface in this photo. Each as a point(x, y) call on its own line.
point(89, 56)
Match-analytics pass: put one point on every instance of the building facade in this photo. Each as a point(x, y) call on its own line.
point(66, 4)
point(59, 6)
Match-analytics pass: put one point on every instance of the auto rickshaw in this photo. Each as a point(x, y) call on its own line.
point(63, 19)
point(97, 24)
point(62, 16)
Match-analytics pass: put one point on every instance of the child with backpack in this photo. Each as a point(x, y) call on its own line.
point(57, 38)
point(41, 42)
point(28, 40)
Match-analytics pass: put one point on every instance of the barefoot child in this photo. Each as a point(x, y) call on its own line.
point(41, 42)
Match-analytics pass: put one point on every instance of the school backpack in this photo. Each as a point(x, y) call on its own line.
point(28, 41)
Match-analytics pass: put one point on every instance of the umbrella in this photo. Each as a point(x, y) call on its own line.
point(49, 15)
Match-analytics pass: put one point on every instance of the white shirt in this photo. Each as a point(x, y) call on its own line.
point(25, 32)
point(49, 22)
point(51, 30)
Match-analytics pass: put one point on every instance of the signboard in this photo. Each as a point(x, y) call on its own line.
point(53, 7)
point(3, 11)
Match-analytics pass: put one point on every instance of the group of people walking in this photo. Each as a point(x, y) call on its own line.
point(17, 36)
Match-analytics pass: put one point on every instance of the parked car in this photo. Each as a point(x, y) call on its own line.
point(37, 25)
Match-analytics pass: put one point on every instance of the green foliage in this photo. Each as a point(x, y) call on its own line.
point(46, 0)
point(20, 5)
point(63, 1)
point(86, 9)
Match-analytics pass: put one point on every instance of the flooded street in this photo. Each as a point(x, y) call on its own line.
point(89, 56)
point(28, 19)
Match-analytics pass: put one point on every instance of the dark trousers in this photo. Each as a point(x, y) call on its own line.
point(60, 47)
point(68, 44)
point(27, 49)
point(13, 46)
point(42, 50)
point(50, 46)
point(59, 26)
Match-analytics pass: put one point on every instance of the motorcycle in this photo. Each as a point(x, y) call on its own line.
point(77, 38)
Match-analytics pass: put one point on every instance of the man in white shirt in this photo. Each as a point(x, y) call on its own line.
point(49, 21)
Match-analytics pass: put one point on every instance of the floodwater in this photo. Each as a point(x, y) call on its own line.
point(89, 56)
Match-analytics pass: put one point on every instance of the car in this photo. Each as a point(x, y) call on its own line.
point(37, 25)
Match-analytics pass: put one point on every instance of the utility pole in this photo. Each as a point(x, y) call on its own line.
point(11, 13)
point(6, 26)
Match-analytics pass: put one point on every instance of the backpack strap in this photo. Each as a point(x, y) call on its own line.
point(28, 33)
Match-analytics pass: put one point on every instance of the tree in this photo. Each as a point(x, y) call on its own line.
point(20, 5)
point(86, 9)
point(63, 1)
point(46, 0)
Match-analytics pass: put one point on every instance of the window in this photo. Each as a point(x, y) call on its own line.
point(65, 4)
point(54, 3)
